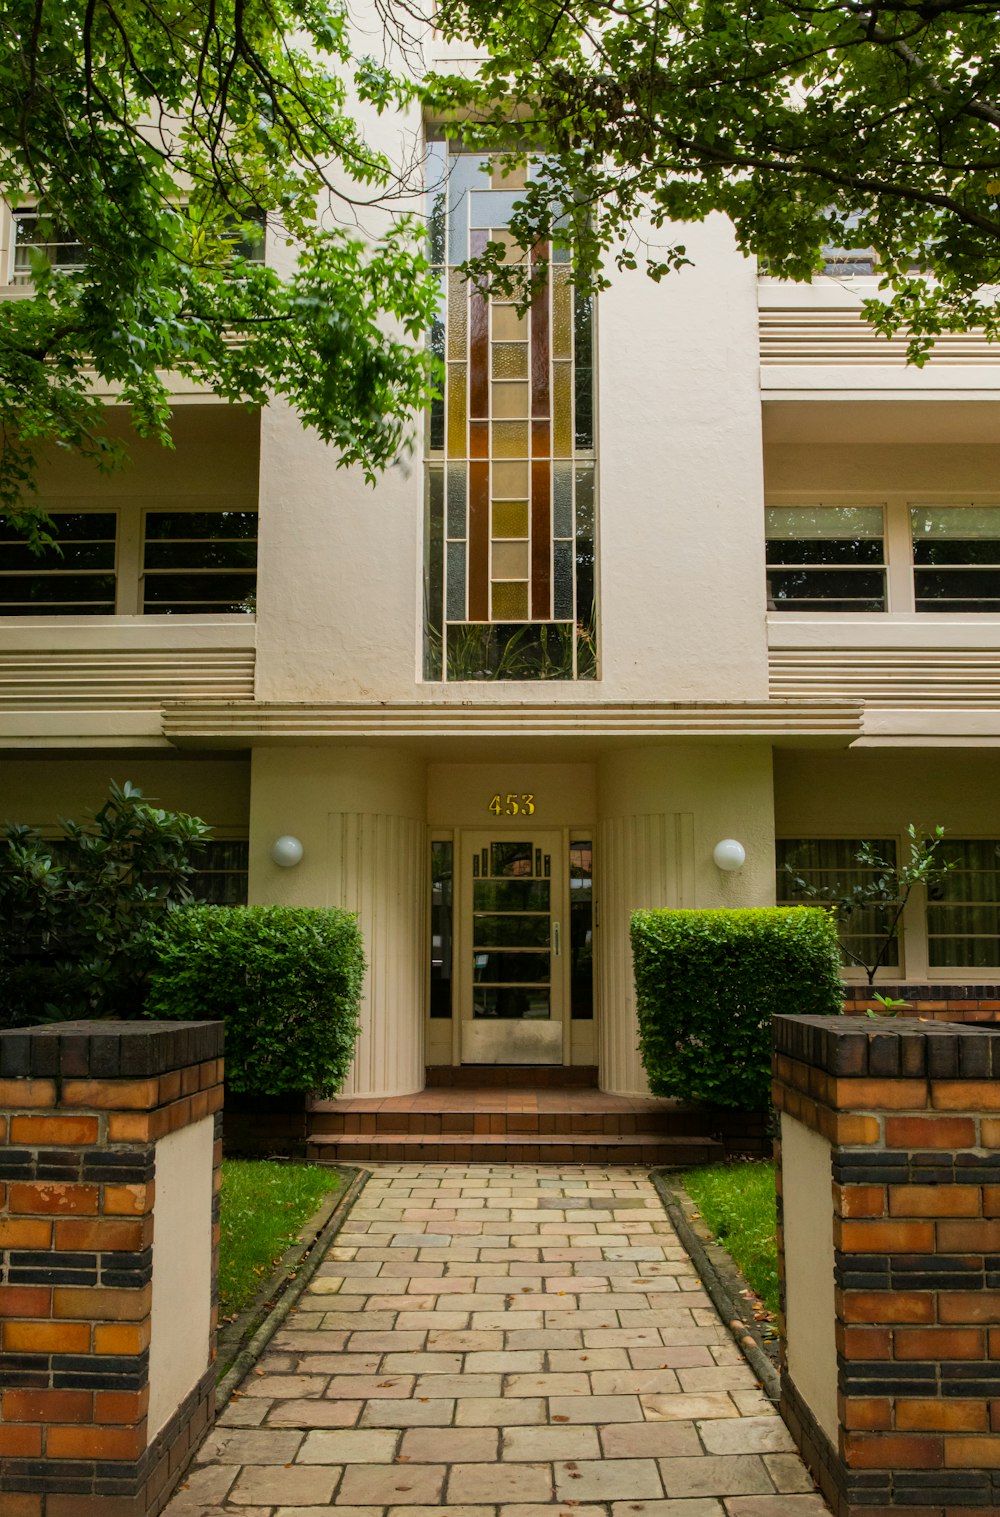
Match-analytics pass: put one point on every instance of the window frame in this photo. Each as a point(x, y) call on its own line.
point(914, 945)
point(131, 516)
point(900, 591)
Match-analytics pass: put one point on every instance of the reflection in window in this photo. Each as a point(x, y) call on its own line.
point(199, 562)
point(442, 880)
point(830, 865)
point(963, 912)
point(581, 930)
point(825, 558)
point(956, 558)
point(509, 524)
point(74, 578)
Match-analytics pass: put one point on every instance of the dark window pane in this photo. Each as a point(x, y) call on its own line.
point(511, 859)
point(200, 524)
point(825, 550)
point(201, 555)
point(510, 1002)
point(51, 589)
point(956, 550)
point(511, 931)
point(581, 931)
point(226, 591)
point(957, 584)
point(819, 585)
point(520, 968)
point(510, 895)
point(831, 866)
point(442, 947)
point(515, 651)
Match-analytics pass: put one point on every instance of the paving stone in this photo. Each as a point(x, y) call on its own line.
point(553, 1510)
point(670, 1356)
point(423, 1364)
point(546, 1385)
point(275, 1386)
point(340, 1364)
point(317, 1341)
point(506, 1361)
point(655, 1440)
point(325, 1285)
point(359, 1387)
point(249, 1446)
point(534, 1443)
point(496, 1411)
point(425, 1445)
point(349, 1446)
point(601, 1480)
point(320, 1413)
point(722, 1377)
point(392, 1485)
point(433, 1321)
point(595, 1409)
point(428, 1411)
point(243, 1413)
point(324, 1511)
point(747, 1435)
point(776, 1506)
point(705, 1506)
point(458, 1385)
point(788, 1473)
point(381, 1342)
point(632, 1382)
point(680, 1407)
point(296, 1485)
point(716, 1475)
point(474, 1483)
point(200, 1488)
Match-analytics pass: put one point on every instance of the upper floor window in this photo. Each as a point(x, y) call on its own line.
point(129, 562)
point(37, 236)
point(956, 557)
point(509, 525)
point(826, 558)
point(896, 557)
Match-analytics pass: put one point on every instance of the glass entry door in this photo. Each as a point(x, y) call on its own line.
point(511, 947)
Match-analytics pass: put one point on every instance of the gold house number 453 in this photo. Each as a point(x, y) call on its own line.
point(513, 805)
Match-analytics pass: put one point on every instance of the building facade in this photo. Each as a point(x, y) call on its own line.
point(701, 560)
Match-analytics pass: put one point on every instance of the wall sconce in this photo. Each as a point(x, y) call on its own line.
point(287, 851)
point(729, 854)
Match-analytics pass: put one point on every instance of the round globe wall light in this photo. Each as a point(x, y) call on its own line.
point(287, 851)
point(729, 854)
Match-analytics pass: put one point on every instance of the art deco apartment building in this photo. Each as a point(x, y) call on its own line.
point(702, 560)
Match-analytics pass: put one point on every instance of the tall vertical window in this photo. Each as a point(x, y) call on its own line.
point(581, 929)
point(442, 946)
point(509, 525)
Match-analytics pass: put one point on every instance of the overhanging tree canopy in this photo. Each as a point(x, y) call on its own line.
point(808, 122)
point(156, 134)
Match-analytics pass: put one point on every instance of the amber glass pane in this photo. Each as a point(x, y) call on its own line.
point(510, 560)
point(508, 325)
point(510, 399)
point(510, 439)
point(458, 317)
point(510, 481)
point(562, 315)
point(512, 253)
point(456, 410)
point(510, 360)
point(510, 601)
point(562, 410)
point(510, 518)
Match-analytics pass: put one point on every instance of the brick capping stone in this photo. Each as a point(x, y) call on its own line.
point(905, 1416)
point(86, 1106)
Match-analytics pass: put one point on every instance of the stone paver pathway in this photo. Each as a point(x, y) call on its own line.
point(502, 1341)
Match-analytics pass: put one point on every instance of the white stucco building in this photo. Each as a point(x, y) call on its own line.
point(706, 560)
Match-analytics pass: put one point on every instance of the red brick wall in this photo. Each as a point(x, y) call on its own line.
point(85, 1105)
point(912, 1112)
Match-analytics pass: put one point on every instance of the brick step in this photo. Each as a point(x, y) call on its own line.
point(357, 1122)
point(514, 1148)
point(487, 1076)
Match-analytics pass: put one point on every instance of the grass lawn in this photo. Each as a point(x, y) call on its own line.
point(264, 1204)
point(737, 1204)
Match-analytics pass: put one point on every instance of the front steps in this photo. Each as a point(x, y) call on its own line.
point(508, 1116)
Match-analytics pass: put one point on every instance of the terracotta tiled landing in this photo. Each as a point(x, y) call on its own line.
point(501, 1342)
point(510, 1124)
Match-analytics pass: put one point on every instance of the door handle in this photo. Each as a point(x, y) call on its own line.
point(555, 939)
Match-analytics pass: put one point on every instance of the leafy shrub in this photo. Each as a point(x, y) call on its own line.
point(709, 982)
point(286, 980)
point(77, 913)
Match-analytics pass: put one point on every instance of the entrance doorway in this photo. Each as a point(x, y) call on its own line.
point(512, 965)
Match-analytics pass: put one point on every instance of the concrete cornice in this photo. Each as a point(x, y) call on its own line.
point(220, 723)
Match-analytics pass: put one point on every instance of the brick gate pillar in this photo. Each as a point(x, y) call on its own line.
point(889, 1253)
point(110, 1145)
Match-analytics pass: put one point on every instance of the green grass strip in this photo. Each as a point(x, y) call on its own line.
point(264, 1205)
point(737, 1203)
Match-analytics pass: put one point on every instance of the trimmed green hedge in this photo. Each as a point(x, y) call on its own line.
point(286, 980)
point(707, 985)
